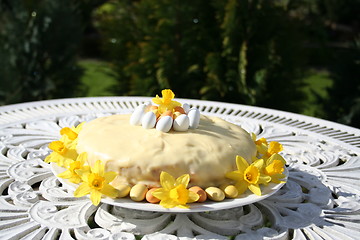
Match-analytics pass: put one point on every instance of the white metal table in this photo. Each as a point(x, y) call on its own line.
point(319, 201)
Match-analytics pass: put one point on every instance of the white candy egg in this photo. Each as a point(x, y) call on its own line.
point(164, 124)
point(186, 107)
point(194, 117)
point(148, 120)
point(138, 113)
point(181, 123)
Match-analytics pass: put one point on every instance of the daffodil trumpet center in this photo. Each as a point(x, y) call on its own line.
point(276, 167)
point(58, 146)
point(68, 132)
point(251, 174)
point(180, 194)
point(96, 181)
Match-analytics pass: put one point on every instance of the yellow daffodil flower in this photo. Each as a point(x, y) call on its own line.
point(249, 176)
point(96, 182)
point(62, 155)
point(71, 173)
point(69, 135)
point(266, 149)
point(274, 167)
point(274, 147)
point(261, 144)
point(166, 103)
point(174, 193)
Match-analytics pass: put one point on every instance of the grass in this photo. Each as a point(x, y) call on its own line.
point(98, 78)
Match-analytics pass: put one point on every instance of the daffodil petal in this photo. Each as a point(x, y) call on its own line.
point(235, 175)
point(161, 193)
point(183, 206)
point(193, 197)
point(66, 174)
point(167, 94)
point(168, 203)
point(49, 158)
point(167, 181)
point(255, 189)
point(184, 180)
point(109, 191)
point(109, 176)
point(274, 157)
point(83, 173)
point(82, 157)
point(253, 136)
point(162, 108)
point(75, 179)
point(241, 186)
point(259, 164)
point(157, 100)
point(174, 104)
point(241, 163)
point(263, 179)
point(82, 190)
point(78, 128)
point(95, 197)
point(275, 147)
point(98, 168)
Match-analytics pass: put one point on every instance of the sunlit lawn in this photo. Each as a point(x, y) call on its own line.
point(315, 88)
point(98, 78)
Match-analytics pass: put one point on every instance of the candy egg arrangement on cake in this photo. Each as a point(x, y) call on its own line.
point(177, 116)
point(165, 153)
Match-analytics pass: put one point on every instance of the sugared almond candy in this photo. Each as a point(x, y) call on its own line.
point(148, 120)
point(167, 113)
point(194, 117)
point(176, 114)
point(181, 123)
point(124, 190)
point(153, 107)
point(155, 110)
point(229, 190)
point(179, 109)
point(215, 194)
point(186, 107)
point(150, 198)
point(164, 124)
point(137, 115)
point(138, 192)
point(199, 191)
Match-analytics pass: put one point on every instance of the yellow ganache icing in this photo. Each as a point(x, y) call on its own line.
point(139, 155)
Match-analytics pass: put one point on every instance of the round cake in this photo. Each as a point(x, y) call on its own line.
point(139, 155)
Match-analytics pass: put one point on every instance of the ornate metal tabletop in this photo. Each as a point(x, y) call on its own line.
point(319, 201)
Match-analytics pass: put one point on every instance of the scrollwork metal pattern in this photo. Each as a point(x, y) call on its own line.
point(319, 201)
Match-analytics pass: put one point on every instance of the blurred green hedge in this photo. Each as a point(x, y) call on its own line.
point(39, 43)
point(256, 52)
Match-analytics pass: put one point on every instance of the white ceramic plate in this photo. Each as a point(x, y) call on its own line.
point(244, 199)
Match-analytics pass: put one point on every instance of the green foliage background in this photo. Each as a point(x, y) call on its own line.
point(257, 52)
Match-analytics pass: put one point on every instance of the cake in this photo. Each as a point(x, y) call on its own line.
point(139, 155)
point(167, 153)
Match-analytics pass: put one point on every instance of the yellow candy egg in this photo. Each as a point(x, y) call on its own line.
point(215, 194)
point(138, 192)
point(230, 191)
